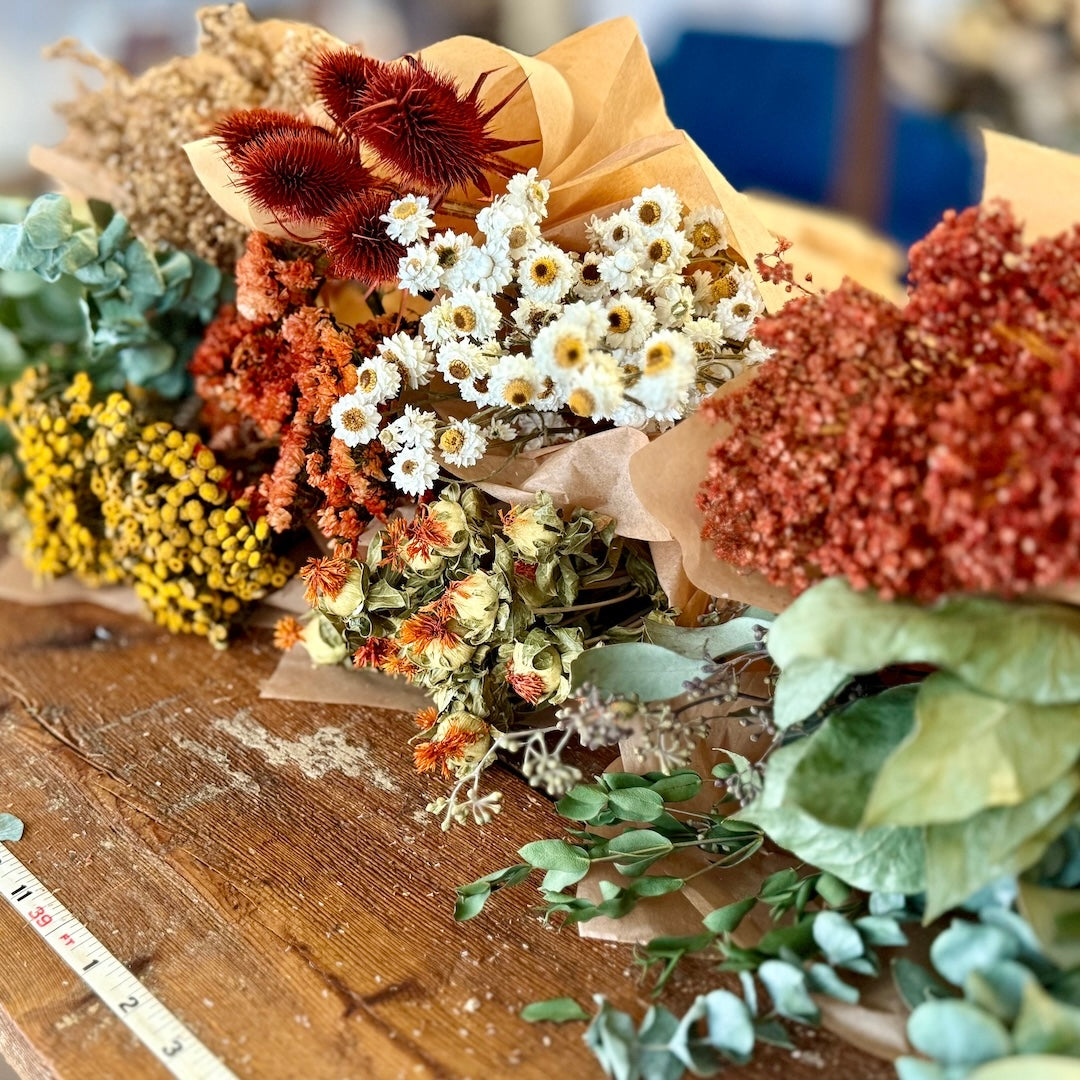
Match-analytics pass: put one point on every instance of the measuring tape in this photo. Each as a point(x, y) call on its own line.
point(155, 1027)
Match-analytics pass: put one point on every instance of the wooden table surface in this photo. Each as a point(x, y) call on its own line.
point(267, 869)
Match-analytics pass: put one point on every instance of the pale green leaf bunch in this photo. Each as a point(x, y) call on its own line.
point(89, 296)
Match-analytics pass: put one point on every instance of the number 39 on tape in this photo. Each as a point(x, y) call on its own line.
point(170, 1041)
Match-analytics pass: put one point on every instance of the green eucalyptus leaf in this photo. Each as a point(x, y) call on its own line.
point(832, 890)
point(555, 881)
point(804, 686)
point(883, 860)
point(640, 843)
point(555, 1010)
point(1029, 1067)
point(678, 787)
point(999, 988)
point(471, 899)
point(1052, 914)
point(963, 857)
point(836, 937)
point(613, 1039)
point(727, 918)
point(636, 804)
point(909, 1068)
point(618, 781)
point(11, 828)
point(696, 643)
point(838, 768)
point(659, 1059)
point(787, 987)
point(957, 1033)
point(731, 1025)
point(582, 803)
point(823, 980)
point(1044, 1025)
point(992, 645)
point(881, 931)
point(48, 222)
point(967, 946)
point(915, 983)
point(656, 885)
point(1005, 751)
point(556, 855)
point(635, 669)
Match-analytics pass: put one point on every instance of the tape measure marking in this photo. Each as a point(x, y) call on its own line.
point(170, 1041)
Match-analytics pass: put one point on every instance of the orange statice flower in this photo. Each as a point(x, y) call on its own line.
point(287, 632)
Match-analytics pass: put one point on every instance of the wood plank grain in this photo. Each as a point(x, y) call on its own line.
point(267, 868)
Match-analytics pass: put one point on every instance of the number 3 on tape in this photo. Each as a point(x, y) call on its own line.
point(173, 1044)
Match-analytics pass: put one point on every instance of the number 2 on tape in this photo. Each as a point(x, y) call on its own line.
point(162, 1033)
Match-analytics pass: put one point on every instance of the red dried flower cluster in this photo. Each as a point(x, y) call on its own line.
point(425, 136)
point(922, 450)
point(269, 370)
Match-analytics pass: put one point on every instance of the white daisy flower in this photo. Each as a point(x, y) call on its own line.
point(528, 191)
point(462, 443)
point(628, 320)
point(415, 427)
point(530, 317)
point(508, 228)
point(668, 370)
point(673, 301)
point(500, 431)
point(515, 381)
point(706, 229)
point(614, 233)
point(708, 338)
point(414, 471)
point(418, 270)
point(409, 219)
point(378, 379)
point(355, 419)
point(756, 353)
point(450, 250)
point(411, 356)
point(465, 313)
point(562, 347)
point(665, 252)
point(623, 270)
point(739, 314)
point(596, 388)
point(488, 268)
point(630, 414)
point(589, 284)
point(461, 361)
point(657, 208)
point(477, 391)
point(547, 275)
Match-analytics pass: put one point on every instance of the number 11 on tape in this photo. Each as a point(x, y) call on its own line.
point(155, 1027)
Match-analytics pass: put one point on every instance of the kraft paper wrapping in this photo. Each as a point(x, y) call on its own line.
point(595, 109)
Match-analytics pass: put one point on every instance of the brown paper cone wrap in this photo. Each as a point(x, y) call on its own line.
point(595, 110)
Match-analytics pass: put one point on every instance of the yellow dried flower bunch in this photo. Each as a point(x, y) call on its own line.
point(113, 499)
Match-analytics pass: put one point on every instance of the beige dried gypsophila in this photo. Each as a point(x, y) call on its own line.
point(130, 134)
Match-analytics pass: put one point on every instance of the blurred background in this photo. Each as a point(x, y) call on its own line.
point(868, 106)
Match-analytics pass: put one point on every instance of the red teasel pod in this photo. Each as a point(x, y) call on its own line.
point(340, 79)
point(300, 174)
point(240, 129)
point(426, 133)
point(357, 242)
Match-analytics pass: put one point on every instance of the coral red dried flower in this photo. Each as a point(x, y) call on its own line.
point(374, 652)
point(528, 685)
point(923, 450)
point(439, 753)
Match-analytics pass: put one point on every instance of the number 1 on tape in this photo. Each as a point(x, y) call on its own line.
point(157, 1029)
